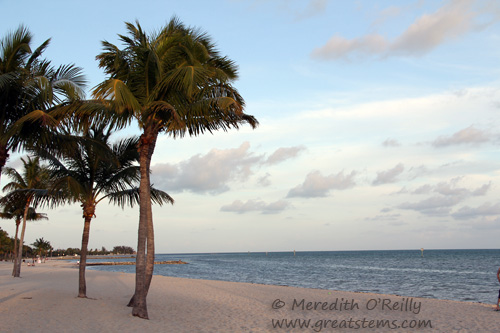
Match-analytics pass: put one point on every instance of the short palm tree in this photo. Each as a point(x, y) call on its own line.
point(28, 84)
point(89, 169)
point(175, 82)
point(15, 210)
point(30, 187)
point(42, 246)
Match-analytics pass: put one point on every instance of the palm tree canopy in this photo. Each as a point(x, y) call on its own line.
point(14, 209)
point(32, 185)
point(173, 80)
point(42, 245)
point(89, 168)
point(29, 83)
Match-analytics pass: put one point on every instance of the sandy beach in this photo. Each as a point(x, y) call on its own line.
point(44, 300)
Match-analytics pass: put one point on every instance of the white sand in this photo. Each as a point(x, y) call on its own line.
point(44, 300)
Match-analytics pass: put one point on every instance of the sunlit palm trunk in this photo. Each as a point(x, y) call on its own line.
point(88, 214)
point(19, 257)
point(144, 265)
point(18, 222)
point(150, 258)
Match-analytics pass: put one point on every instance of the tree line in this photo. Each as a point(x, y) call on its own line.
point(173, 81)
point(43, 248)
point(117, 250)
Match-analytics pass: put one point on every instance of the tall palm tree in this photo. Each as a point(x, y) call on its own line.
point(175, 82)
point(14, 209)
point(89, 170)
point(32, 188)
point(27, 84)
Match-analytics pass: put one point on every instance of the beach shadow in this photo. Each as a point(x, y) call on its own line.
point(17, 294)
point(91, 298)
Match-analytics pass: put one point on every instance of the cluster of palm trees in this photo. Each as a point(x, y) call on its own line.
point(40, 246)
point(173, 81)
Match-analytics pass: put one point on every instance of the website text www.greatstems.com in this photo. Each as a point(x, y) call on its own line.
point(383, 305)
point(351, 323)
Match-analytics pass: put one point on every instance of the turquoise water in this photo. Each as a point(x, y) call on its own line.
point(463, 275)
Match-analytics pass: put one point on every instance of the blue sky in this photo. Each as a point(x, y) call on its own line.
point(379, 125)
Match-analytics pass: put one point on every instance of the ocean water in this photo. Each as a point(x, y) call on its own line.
point(463, 275)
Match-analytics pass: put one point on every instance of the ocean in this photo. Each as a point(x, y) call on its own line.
point(462, 275)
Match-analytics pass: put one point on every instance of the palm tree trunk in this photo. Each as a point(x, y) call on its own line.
point(18, 222)
point(138, 301)
point(150, 258)
point(4, 155)
point(19, 257)
point(88, 214)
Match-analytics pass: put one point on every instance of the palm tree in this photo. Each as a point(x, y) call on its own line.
point(32, 188)
point(90, 169)
point(14, 209)
point(172, 81)
point(42, 245)
point(28, 84)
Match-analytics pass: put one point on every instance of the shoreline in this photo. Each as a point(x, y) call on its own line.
point(45, 299)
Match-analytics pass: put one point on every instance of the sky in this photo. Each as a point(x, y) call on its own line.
point(378, 126)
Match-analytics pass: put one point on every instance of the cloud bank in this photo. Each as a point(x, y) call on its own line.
point(211, 173)
point(454, 19)
point(467, 136)
point(241, 207)
point(207, 173)
point(444, 196)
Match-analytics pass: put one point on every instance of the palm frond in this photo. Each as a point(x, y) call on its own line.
point(38, 52)
point(15, 48)
point(18, 181)
point(130, 197)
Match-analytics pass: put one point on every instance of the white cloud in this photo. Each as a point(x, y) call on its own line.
point(424, 189)
point(264, 180)
point(453, 20)
point(483, 190)
point(451, 188)
point(391, 143)
point(389, 176)
point(486, 209)
point(208, 173)
point(416, 172)
point(445, 196)
point(466, 136)
point(282, 154)
point(339, 47)
point(387, 217)
point(211, 173)
point(433, 206)
point(317, 185)
point(241, 207)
